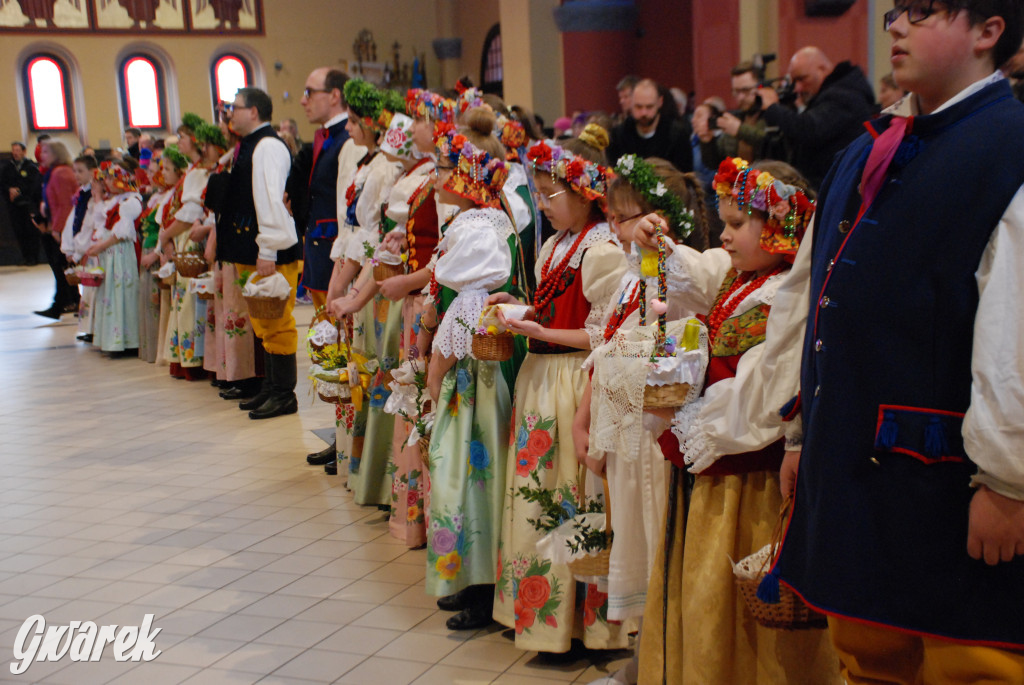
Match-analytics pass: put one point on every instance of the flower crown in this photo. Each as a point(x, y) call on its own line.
point(468, 99)
point(392, 103)
point(584, 177)
point(191, 122)
point(365, 102)
point(209, 133)
point(640, 175)
point(173, 155)
point(477, 175)
point(424, 104)
point(787, 207)
point(121, 178)
point(511, 134)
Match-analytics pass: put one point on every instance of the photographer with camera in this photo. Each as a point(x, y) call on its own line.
point(739, 133)
point(838, 101)
point(651, 131)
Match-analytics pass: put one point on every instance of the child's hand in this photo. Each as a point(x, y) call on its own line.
point(580, 441)
point(394, 242)
point(645, 231)
point(393, 288)
point(787, 472)
point(93, 251)
point(531, 329)
point(198, 232)
point(597, 466)
point(149, 260)
point(342, 306)
point(501, 298)
point(995, 528)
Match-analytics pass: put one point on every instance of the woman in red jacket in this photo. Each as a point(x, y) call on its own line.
point(59, 186)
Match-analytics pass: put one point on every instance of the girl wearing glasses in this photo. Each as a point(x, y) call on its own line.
point(578, 270)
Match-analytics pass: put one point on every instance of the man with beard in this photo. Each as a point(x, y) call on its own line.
point(648, 133)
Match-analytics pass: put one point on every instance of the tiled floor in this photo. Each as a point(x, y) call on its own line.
point(125, 492)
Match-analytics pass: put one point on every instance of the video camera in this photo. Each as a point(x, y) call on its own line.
point(781, 85)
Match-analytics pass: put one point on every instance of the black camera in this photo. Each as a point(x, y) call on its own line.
point(785, 88)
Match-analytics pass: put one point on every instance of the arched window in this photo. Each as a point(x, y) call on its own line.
point(47, 93)
point(491, 71)
point(228, 73)
point(143, 99)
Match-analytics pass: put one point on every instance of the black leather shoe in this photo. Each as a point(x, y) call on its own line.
point(457, 602)
point(84, 337)
point(324, 456)
point(275, 406)
point(53, 312)
point(331, 468)
point(70, 308)
point(237, 393)
point(472, 617)
point(255, 402)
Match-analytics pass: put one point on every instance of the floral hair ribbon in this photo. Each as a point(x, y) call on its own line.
point(586, 178)
point(787, 207)
point(423, 104)
point(477, 175)
point(119, 177)
point(642, 178)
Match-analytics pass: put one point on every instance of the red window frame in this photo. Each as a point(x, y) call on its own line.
point(30, 100)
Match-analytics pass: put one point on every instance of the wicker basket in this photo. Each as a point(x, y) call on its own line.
point(266, 307)
point(165, 282)
point(205, 296)
point(492, 348)
point(91, 280)
point(666, 396)
point(343, 396)
point(790, 612)
point(71, 276)
point(424, 444)
point(597, 564)
point(382, 271)
point(191, 264)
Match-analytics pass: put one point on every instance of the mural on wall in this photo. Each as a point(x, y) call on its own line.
point(133, 16)
point(44, 14)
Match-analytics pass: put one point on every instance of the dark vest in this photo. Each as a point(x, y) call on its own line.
point(238, 226)
point(80, 207)
point(323, 187)
point(879, 529)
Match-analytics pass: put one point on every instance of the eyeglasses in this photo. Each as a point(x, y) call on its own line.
point(916, 12)
point(623, 222)
point(744, 91)
point(309, 91)
point(545, 200)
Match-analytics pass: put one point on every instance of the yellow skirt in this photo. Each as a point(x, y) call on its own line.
point(710, 637)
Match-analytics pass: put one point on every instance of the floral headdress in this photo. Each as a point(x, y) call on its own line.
point(365, 102)
point(392, 103)
point(210, 133)
point(190, 121)
point(586, 178)
point(477, 175)
point(787, 207)
point(120, 178)
point(468, 98)
point(173, 155)
point(423, 104)
point(512, 135)
point(398, 138)
point(642, 178)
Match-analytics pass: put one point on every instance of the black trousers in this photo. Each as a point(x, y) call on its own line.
point(26, 233)
point(65, 294)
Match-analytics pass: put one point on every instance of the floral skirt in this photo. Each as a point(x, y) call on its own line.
point(467, 477)
point(542, 601)
point(410, 483)
point(350, 424)
point(370, 477)
point(708, 635)
point(230, 347)
point(149, 315)
point(116, 308)
point(184, 326)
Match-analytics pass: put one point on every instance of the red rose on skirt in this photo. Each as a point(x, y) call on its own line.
point(524, 617)
point(534, 591)
point(595, 598)
point(412, 498)
point(525, 462)
point(539, 442)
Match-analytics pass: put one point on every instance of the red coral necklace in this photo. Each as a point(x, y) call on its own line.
point(725, 306)
point(549, 280)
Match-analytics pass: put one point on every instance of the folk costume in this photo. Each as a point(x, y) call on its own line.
point(149, 291)
point(326, 205)
point(897, 428)
point(697, 627)
point(576, 276)
point(256, 224)
point(75, 239)
point(470, 434)
point(372, 480)
point(115, 322)
point(186, 326)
